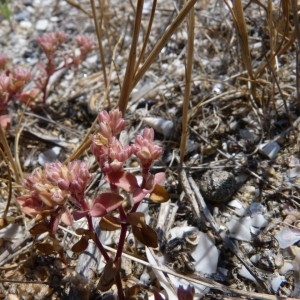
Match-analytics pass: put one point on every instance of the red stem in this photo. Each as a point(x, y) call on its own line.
point(96, 239)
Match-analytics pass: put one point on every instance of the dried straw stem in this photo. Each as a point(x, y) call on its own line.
point(188, 78)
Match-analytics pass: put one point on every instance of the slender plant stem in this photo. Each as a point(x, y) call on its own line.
point(96, 239)
point(119, 287)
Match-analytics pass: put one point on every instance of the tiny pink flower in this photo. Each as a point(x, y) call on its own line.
point(145, 149)
point(30, 95)
point(18, 79)
point(113, 119)
point(50, 42)
point(85, 45)
point(4, 82)
point(73, 177)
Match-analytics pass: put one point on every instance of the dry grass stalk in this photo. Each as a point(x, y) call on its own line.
point(297, 34)
point(242, 33)
point(9, 187)
point(147, 35)
point(10, 158)
point(98, 25)
point(131, 65)
point(163, 40)
point(188, 78)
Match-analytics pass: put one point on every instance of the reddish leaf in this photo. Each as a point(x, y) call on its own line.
point(39, 229)
point(109, 223)
point(81, 245)
point(124, 180)
point(139, 195)
point(78, 214)
point(82, 231)
point(136, 219)
point(45, 248)
point(108, 276)
point(159, 194)
point(159, 178)
point(145, 235)
point(105, 203)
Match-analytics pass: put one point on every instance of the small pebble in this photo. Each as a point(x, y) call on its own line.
point(217, 186)
point(42, 25)
point(25, 24)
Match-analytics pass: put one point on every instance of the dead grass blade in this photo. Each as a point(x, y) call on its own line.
point(297, 33)
point(146, 36)
point(276, 29)
point(130, 68)
point(10, 158)
point(188, 77)
point(242, 33)
point(79, 7)
point(98, 25)
point(9, 189)
point(163, 40)
point(241, 28)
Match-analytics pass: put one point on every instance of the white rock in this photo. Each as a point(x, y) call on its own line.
point(42, 25)
point(25, 24)
point(179, 231)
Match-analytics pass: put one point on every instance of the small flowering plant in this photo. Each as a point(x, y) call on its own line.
point(56, 194)
point(14, 80)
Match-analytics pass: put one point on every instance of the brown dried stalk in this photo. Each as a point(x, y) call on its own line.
point(98, 25)
point(188, 76)
point(131, 65)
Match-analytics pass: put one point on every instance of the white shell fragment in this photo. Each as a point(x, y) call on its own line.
point(269, 149)
point(246, 274)
point(206, 255)
point(259, 221)
point(49, 155)
point(179, 232)
point(165, 127)
point(276, 282)
point(238, 207)
point(257, 208)
point(240, 228)
point(286, 237)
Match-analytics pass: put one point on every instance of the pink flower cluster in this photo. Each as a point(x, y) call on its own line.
point(112, 155)
point(11, 85)
point(49, 189)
